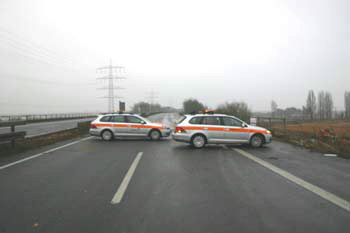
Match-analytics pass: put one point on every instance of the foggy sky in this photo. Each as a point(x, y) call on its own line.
point(216, 51)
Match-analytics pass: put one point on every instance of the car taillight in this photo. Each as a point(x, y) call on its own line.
point(93, 126)
point(179, 130)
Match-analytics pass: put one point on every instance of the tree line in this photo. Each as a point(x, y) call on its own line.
point(320, 107)
point(191, 105)
point(238, 109)
point(144, 107)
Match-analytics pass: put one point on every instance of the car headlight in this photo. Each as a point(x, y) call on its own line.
point(268, 131)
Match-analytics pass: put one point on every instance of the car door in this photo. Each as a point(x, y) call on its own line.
point(135, 125)
point(213, 128)
point(120, 127)
point(234, 130)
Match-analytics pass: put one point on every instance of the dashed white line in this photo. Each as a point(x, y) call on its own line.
point(118, 196)
point(342, 203)
point(330, 155)
point(42, 153)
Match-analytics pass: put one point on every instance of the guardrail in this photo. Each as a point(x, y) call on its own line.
point(25, 143)
point(12, 136)
point(45, 117)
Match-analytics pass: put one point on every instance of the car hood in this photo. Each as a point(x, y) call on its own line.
point(155, 124)
point(256, 127)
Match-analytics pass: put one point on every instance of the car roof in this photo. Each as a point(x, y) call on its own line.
point(207, 115)
point(119, 114)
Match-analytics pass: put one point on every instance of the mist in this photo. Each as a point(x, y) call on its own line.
point(252, 51)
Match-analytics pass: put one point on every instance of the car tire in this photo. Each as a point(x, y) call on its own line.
point(154, 135)
point(198, 141)
point(107, 135)
point(257, 141)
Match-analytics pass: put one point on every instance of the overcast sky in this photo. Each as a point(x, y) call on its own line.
point(216, 51)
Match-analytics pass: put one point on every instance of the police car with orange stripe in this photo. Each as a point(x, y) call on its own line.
point(109, 126)
point(210, 128)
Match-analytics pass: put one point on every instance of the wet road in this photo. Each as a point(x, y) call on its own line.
point(141, 186)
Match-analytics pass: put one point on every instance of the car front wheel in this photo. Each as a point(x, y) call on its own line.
point(257, 141)
point(198, 141)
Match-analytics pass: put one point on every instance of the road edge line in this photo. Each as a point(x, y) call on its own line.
point(42, 153)
point(340, 202)
point(118, 196)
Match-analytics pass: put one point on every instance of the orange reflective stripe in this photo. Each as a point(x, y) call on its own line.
point(146, 127)
point(193, 128)
point(109, 125)
point(224, 129)
point(113, 125)
point(248, 131)
point(127, 125)
point(215, 129)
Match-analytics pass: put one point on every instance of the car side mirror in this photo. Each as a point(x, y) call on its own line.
point(143, 122)
point(244, 125)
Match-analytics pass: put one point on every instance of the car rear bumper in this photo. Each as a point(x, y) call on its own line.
point(180, 137)
point(166, 132)
point(94, 132)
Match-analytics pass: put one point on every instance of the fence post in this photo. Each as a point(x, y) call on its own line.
point(13, 140)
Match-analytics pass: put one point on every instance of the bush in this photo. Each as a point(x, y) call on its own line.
point(192, 105)
point(237, 109)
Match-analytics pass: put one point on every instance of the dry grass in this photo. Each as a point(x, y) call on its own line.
point(325, 136)
point(341, 129)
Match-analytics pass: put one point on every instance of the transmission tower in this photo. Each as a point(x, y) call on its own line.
point(113, 73)
point(152, 96)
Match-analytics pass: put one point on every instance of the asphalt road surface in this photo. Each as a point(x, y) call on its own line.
point(141, 186)
point(35, 129)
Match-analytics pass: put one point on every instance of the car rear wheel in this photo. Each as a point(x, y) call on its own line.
point(154, 135)
point(257, 141)
point(198, 141)
point(107, 135)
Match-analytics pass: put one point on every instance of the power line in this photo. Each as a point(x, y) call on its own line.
point(33, 51)
point(43, 105)
point(152, 96)
point(43, 82)
point(14, 37)
point(112, 75)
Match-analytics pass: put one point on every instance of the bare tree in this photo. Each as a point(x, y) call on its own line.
point(321, 105)
point(311, 104)
point(274, 107)
point(325, 105)
point(328, 105)
point(347, 104)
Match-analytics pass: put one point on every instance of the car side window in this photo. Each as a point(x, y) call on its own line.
point(211, 120)
point(105, 119)
point(229, 121)
point(196, 120)
point(117, 119)
point(132, 119)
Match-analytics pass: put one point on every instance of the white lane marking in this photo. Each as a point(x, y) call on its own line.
point(330, 155)
point(342, 203)
point(42, 153)
point(118, 196)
